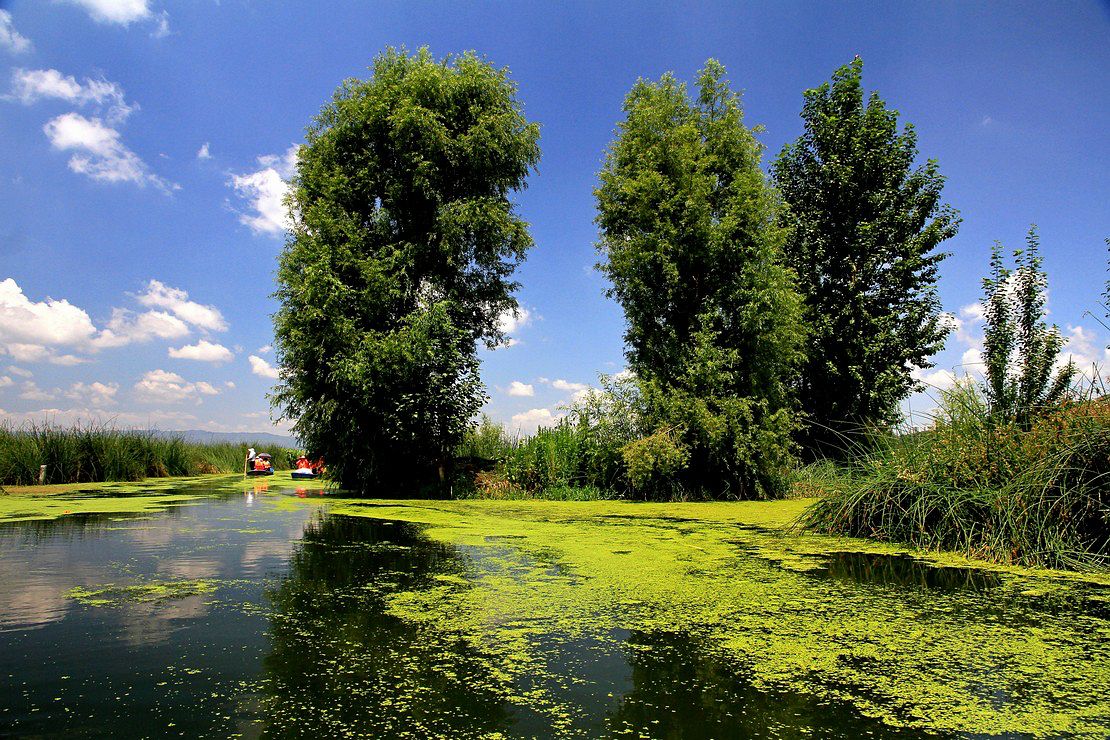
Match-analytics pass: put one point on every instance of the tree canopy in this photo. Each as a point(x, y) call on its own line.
point(400, 259)
point(866, 224)
point(691, 241)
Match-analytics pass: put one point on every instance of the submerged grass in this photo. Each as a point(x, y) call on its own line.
point(84, 454)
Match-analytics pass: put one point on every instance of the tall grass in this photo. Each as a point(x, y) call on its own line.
point(91, 453)
point(1035, 496)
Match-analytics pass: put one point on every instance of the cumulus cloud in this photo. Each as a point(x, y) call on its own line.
point(937, 380)
point(510, 322)
point(529, 421)
point(516, 388)
point(32, 392)
point(159, 295)
point(21, 372)
point(32, 85)
point(99, 153)
point(11, 39)
point(127, 327)
point(264, 191)
point(40, 331)
point(95, 393)
point(203, 351)
point(5, 381)
point(120, 12)
point(262, 368)
point(203, 152)
point(166, 387)
point(564, 385)
point(49, 322)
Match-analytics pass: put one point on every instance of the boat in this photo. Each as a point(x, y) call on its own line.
point(303, 475)
point(254, 472)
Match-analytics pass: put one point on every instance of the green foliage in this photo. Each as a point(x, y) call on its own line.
point(399, 263)
point(1019, 349)
point(90, 454)
point(991, 488)
point(654, 462)
point(866, 224)
point(692, 245)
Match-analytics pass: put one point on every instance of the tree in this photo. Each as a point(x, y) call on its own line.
point(1019, 349)
point(399, 263)
point(692, 244)
point(866, 224)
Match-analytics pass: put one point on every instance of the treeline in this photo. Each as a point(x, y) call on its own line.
point(770, 318)
point(93, 453)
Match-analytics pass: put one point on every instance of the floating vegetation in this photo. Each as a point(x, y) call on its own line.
point(115, 595)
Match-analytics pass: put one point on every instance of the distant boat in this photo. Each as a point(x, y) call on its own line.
point(302, 475)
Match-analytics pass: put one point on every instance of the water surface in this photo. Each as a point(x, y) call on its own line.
point(250, 613)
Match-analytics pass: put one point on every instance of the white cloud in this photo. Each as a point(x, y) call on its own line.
point(162, 29)
point(159, 295)
point(265, 191)
point(532, 419)
point(11, 39)
point(5, 381)
point(1083, 348)
point(98, 151)
point(265, 349)
point(262, 368)
point(509, 322)
point(121, 12)
point(31, 392)
point(203, 152)
point(563, 385)
point(32, 85)
point(203, 351)
point(21, 372)
point(167, 387)
point(96, 393)
point(126, 327)
point(937, 380)
point(31, 330)
point(516, 388)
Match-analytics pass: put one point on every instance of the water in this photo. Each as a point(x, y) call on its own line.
point(278, 622)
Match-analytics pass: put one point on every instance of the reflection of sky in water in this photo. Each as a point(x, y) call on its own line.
point(138, 666)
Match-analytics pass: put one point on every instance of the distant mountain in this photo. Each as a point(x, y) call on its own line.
point(264, 438)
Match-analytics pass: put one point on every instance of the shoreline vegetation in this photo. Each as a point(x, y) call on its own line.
point(95, 453)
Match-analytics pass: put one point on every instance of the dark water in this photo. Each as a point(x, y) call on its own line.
point(295, 641)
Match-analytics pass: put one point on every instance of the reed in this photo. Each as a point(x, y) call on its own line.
point(88, 453)
point(1031, 495)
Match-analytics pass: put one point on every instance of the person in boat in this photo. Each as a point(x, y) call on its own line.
point(251, 455)
point(303, 466)
point(318, 466)
point(261, 464)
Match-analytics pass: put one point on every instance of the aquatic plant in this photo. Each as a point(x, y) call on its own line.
point(990, 488)
point(86, 453)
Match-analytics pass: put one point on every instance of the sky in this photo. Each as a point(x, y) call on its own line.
point(144, 146)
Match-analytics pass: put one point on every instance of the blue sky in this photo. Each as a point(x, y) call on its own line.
point(142, 145)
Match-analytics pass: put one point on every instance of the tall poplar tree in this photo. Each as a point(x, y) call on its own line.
point(691, 241)
point(399, 263)
point(867, 222)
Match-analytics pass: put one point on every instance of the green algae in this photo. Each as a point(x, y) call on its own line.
point(735, 578)
point(150, 591)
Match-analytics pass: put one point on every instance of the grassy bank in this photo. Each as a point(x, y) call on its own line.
point(1036, 496)
point(86, 454)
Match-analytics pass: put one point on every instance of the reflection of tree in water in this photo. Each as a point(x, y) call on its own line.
point(904, 570)
point(680, 690)
point(340, 665)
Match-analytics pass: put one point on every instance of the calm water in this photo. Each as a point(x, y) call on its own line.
point(294, 639)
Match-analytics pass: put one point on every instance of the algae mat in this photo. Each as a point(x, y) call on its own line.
point(939, 647)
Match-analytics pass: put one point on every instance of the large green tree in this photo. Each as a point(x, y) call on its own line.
point(867, 222)
point(399, 262)
point(692, 243)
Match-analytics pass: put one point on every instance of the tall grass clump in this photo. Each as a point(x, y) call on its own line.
point(1004, 491)
point(93, 453)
